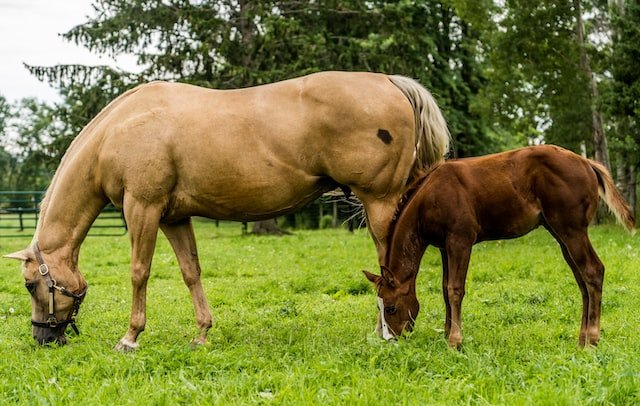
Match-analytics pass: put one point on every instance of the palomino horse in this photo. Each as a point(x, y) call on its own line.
point(460, 203)
point(164, 152)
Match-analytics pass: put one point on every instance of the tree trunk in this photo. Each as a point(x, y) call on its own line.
point(631, 188)
point(268, 227)
point(600, 146)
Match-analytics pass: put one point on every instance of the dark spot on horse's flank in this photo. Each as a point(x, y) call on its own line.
point(385, 136)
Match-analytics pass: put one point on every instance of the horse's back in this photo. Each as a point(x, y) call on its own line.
point(288, 139)
point(507, 194)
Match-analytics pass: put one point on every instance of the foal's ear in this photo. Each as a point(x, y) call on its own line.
point(23, 255)
point(373, 278)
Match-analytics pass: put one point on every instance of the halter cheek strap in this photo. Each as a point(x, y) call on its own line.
point(52, 321)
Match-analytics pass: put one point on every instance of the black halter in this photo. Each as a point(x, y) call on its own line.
point(52, 321)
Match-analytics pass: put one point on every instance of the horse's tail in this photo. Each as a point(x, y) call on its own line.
point(432, 134)
point(612, 197)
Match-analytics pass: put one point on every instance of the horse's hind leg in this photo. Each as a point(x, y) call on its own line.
point(592, 271)
point(182, 239)
point(379, 212)
point(142, 221)
point(589, 273)
point(582, 340)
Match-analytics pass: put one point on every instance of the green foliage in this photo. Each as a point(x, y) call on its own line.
point(623, 92)
point(294, 322)
point(536, 85)
point(504, 72)
point(230, 44)
point(28, 154)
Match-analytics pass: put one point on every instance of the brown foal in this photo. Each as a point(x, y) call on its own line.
point(462, 202)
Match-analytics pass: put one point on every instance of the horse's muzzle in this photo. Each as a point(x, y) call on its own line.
point(46, 335)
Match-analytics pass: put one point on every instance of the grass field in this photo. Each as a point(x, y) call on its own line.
point(294, 322)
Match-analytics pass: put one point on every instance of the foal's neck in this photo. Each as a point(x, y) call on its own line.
point(407, 244)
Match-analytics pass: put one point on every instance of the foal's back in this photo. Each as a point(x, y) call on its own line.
point(506, 195)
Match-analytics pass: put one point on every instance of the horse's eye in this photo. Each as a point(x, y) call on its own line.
point(31, 287)
point(390, 310)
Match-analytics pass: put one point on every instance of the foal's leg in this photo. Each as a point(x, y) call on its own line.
point(458, 253)
point(142, 222)
point(445, 292)
point(582, 340)
point(592, 272)
point(581, 284)
point(589, 273)
point(181, 237)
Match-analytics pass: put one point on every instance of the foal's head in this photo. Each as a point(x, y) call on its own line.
point(397, 303)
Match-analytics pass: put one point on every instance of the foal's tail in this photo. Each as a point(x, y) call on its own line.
point(432, 134)
point(612, 197)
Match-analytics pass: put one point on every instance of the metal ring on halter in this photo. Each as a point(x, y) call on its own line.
point(52, 321)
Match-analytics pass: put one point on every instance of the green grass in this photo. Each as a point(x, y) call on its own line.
point(294, 322)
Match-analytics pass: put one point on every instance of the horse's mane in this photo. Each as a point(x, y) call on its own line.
point(414, 184)
point(76, 145)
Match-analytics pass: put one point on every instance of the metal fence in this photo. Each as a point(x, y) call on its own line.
point(19, 211)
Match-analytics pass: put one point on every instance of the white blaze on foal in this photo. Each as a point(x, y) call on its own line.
point(386, 334)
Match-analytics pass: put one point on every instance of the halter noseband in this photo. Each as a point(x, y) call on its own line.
point(52, 321)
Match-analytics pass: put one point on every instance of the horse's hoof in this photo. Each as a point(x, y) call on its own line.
point(455, 343)
point(126, 346)
point(198, 342)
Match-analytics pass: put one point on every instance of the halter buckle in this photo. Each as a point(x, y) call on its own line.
point(52, 322)
point(43, 269)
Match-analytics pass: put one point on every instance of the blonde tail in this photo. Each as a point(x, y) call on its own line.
point(613, 198)
point(432, 134)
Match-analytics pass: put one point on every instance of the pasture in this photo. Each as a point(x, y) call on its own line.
point(294, 320)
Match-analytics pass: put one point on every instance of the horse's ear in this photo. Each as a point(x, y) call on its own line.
point(373, 278)
point(23, 255)
point(388, 276)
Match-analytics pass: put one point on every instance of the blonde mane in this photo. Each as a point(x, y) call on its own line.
point(76, 145)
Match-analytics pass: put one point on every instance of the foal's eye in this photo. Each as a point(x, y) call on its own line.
point(31, 287)
point(390, 310)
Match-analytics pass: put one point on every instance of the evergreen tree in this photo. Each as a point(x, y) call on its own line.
point(231, 43)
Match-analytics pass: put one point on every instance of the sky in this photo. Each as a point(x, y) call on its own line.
point(30, 33)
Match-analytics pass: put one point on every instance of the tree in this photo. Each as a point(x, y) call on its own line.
point(536, 86)
point(7, 162)
point(622, 94)
point(231, 43)
point(237, 43)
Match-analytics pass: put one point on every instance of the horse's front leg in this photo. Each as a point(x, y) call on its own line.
point(142, 221)
point(445, 292)
point(458, 254)
point(183, 241)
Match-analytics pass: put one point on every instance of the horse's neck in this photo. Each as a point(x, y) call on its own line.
point(407, 245)
point(70, 207)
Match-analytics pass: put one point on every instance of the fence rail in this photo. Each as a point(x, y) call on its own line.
point(19, 211)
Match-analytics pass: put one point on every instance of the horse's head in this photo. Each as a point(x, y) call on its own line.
point(56, 293)
point(397, 304)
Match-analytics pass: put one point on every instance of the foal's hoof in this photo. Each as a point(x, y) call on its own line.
point(455, 344)
point(126, 346)
point(198, 342)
